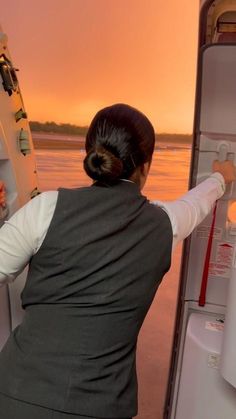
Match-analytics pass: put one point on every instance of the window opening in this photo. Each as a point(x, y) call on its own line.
point(8, 74)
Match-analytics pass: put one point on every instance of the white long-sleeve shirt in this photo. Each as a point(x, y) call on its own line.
point(23, 234)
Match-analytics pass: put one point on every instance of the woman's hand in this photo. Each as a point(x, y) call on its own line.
point(226, 169)
point(2, 194)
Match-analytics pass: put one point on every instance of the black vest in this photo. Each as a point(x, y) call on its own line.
point(88, 290)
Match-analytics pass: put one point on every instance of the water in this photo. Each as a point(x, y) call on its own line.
point(168, 180)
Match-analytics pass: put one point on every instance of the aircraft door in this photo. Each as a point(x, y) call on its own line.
point(216, 140)
point(204, 378)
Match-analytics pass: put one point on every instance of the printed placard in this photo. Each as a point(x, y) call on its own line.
point(214, 326)
point(219, 271)
point(224, 254)
point(224, 259)
point(204, 231)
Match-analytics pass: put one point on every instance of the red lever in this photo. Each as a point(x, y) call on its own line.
point(202, 297)
point(2, 194)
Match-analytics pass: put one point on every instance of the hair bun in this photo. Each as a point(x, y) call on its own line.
point(100, 164)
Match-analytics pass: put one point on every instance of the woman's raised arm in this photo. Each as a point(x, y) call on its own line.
point(190, 210)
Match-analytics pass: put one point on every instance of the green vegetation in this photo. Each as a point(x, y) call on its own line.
point(52, 127)
point(174, 138)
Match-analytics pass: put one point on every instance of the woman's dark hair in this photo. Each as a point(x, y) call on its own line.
point(120, 139)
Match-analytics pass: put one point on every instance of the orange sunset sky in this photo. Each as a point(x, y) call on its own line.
point(76, 56)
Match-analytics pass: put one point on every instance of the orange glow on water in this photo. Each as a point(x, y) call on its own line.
point(60, 168)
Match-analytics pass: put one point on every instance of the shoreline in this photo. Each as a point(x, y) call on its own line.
point(68, 143)
point(80, 146)
point(57, 145)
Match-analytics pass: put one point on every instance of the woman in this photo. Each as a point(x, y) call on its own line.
point(96, 258)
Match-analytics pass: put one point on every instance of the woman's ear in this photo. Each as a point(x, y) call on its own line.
point(140, 174)
point(145, 168)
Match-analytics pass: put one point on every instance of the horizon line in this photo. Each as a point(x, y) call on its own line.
point(87, 126)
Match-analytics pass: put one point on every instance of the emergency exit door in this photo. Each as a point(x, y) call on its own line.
point(202, 381)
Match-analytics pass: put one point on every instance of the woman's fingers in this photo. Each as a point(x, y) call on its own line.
point(226, 168)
